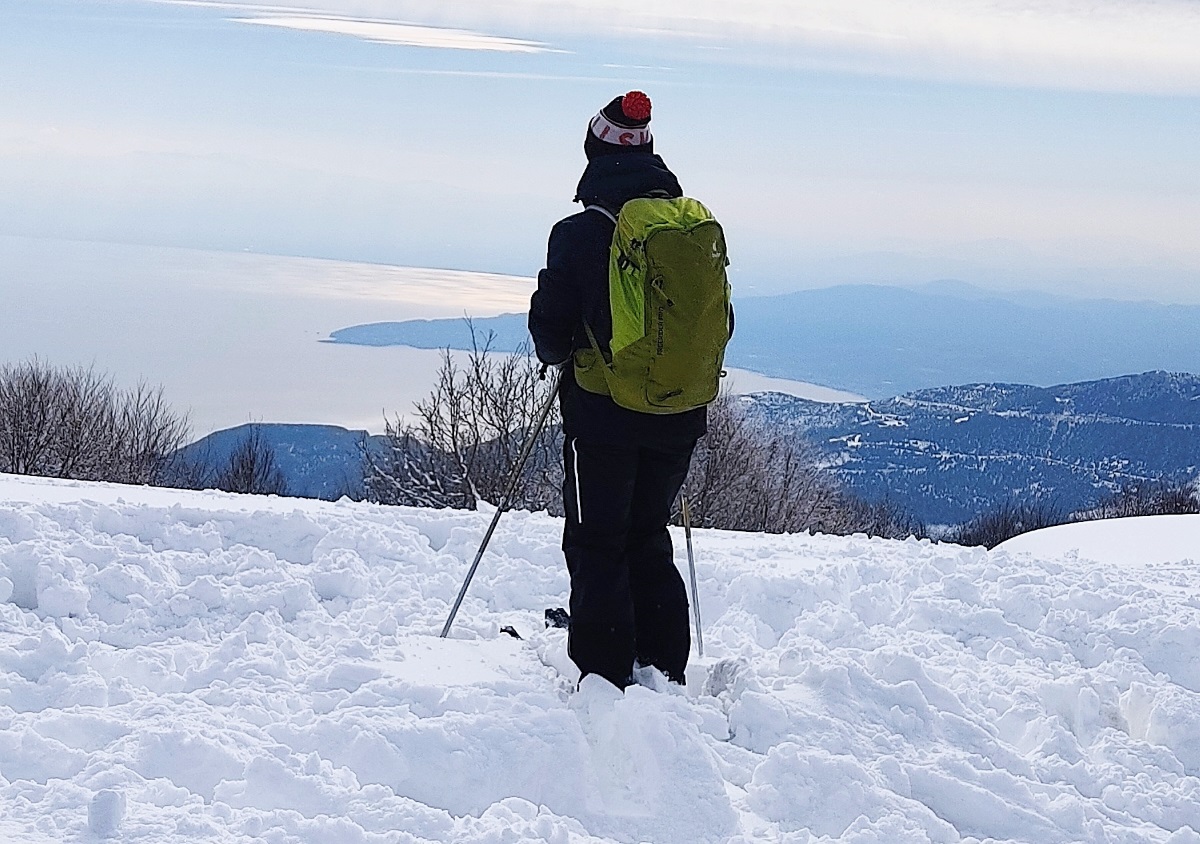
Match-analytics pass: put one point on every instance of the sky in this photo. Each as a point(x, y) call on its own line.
point(1010, 144)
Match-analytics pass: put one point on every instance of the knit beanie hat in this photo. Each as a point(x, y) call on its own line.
point(621, 126)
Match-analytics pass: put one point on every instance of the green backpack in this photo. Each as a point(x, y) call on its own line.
point(669, 297)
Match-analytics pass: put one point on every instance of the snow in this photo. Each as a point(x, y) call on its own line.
point(1140, 541)
point(183, 666)
point(106, 812)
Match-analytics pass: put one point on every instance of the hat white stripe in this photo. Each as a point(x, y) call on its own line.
point(611, 133)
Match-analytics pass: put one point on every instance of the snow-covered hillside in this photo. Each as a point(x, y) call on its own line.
point(179, 666)
point(1133, 542)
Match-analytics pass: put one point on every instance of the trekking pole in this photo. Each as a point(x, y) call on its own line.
point(513, 479)
point(687, 532)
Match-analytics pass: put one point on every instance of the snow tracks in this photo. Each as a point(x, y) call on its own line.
point(197, 666)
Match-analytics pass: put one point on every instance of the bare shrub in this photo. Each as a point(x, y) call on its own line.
point(467, 435)
point(412, 473)
point(1006, 521)
point(885, 519)
point(1149, 498)
point(251, 468)
point(745, 476)
point(71, 422)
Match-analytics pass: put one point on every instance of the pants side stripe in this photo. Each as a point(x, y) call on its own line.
point(575, 471)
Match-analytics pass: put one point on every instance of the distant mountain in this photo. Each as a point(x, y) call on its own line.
point(945, 454)
point(950, 453)
point(318, 461)
point(884, 341)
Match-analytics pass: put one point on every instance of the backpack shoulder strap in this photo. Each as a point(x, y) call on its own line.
point(603, 211)
point(586, 327)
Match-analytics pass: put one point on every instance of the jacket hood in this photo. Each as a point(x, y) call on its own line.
point(613, 180)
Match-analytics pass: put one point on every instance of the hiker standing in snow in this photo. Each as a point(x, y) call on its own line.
point(641, 341)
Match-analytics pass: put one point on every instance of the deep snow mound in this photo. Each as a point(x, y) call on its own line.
point(1135, 541)
point(200, 666)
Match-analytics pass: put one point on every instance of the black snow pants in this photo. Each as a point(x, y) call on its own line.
point(627, 597)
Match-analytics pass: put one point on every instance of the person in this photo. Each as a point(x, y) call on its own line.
point(623, 468)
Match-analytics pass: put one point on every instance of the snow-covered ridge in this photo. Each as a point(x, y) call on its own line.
point(949, 454)
point(183, 666)
point(1163, 541)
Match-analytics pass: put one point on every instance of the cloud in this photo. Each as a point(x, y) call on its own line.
point(1106, 45)
point(392, 32)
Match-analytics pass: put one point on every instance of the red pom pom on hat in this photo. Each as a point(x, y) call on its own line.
point(636, 106)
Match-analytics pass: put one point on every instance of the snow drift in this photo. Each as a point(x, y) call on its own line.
point(200, 666)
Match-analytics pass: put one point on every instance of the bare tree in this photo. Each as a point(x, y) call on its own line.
point(251, 467)
point(412, 473)
point(745, 476)
point(71, 422)
point(467, 434)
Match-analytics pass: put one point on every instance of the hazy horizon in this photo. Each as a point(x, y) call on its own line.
point(235, 337)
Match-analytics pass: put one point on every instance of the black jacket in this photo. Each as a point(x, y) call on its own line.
point(574, 287)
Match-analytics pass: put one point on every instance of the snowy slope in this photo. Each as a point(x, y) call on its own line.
point(181, 666)
point(1146, 540)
